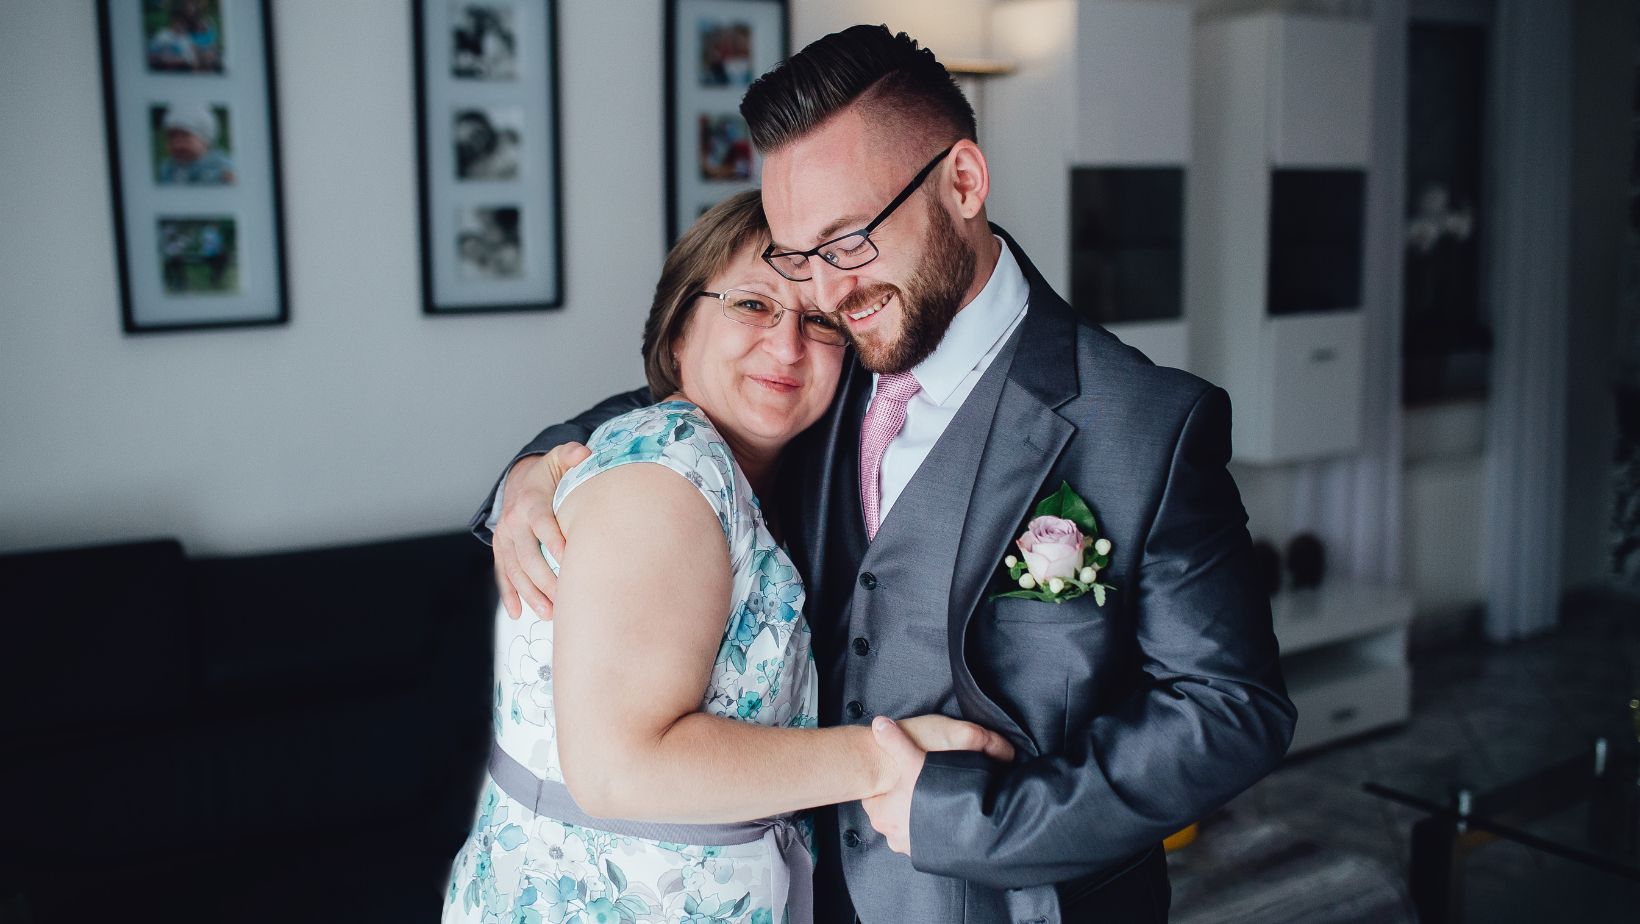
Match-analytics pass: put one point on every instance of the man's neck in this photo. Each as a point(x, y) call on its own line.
point(986, 254)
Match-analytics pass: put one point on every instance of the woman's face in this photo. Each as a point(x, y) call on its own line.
point(761, 386)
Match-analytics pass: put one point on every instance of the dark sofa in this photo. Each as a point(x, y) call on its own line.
point(279, 737)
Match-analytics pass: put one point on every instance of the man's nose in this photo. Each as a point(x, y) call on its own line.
point(830, 284)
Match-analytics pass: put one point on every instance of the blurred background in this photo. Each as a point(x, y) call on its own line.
point(252, 677)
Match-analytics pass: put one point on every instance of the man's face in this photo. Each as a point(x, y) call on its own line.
point(835, 180)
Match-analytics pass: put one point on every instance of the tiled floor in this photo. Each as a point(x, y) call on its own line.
point(1514, 705)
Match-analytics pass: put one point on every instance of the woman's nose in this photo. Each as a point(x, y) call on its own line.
point(785, 339)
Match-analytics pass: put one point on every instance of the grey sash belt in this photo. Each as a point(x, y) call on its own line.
point(552, 800)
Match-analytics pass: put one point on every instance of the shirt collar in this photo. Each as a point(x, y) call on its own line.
point(976, 330)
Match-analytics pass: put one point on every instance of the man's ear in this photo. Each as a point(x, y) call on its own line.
point(970, 178)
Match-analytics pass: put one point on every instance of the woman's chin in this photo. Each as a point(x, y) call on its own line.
point(774, 421)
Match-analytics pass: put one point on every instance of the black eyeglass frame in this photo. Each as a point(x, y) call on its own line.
point(780, 312)
point(769, 253)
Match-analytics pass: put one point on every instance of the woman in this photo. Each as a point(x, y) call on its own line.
point(675, 683)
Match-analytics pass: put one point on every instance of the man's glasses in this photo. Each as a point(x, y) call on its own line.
point(760, 310)
point(852, 250)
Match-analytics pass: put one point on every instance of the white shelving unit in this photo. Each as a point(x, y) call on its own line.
point(1096, 83)
point(1273, 91)
point(1343, 651)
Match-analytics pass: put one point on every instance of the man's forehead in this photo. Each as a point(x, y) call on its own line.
point(823, 181)
point(814, 201)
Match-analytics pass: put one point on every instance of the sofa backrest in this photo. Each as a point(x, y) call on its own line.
point(94, 635)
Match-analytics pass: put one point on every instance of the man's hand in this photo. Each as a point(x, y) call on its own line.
point(526, 522)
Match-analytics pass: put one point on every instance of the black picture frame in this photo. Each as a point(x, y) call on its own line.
point(506, 204)
point(708, 97)
point(199, 240)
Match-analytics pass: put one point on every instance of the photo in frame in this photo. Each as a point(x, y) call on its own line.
point(191, 114)
point(714, 50)
point(487, 124)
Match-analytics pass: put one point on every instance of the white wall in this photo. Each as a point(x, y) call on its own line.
point(362, 417)
point(953, 28)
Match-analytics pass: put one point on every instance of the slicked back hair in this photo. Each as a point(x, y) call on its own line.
point(864, 63)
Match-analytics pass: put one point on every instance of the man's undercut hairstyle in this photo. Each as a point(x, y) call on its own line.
point(865, 64)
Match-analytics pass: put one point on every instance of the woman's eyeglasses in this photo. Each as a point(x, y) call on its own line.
point(759, 310)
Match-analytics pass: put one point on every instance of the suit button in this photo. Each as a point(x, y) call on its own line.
point(851, 838)
point(862, 647)
point(868, 581)
point(854, 710)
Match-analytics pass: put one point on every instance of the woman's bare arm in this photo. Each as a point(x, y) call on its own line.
point(643, 599)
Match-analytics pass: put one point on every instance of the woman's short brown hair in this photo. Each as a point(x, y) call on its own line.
point(715, 238)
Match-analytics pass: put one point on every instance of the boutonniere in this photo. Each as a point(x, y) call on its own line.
point(1062, 551)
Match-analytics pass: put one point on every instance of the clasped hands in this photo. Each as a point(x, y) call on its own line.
point(525, 580)
point(904, 745)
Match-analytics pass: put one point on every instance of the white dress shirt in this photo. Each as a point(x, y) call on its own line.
point(949, 374)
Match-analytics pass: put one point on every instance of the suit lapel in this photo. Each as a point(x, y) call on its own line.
point(1022, 445)
point(827, 512)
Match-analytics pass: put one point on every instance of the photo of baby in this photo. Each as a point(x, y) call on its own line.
point(191, 145)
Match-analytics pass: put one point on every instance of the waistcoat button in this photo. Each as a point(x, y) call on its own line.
point(868, 581)
point(854, 709)
point(851, 838)
point(862, 647)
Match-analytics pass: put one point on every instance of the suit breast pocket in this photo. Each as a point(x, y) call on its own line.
point(1040, 661)
point(1019, 609)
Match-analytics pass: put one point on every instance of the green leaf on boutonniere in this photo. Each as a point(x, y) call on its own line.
point(1067, 505)
point(1070, 591)
point(1041, 595)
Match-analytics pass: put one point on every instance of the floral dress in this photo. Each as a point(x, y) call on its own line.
point(520, 867)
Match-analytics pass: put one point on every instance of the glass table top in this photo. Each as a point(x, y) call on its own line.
point(1582, 803)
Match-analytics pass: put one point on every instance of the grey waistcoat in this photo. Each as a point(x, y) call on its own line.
point(902, 667)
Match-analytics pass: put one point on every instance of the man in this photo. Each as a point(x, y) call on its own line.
point(973, 393)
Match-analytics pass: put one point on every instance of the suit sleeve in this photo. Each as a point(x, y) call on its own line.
point(1207, 718)
point(577, 429)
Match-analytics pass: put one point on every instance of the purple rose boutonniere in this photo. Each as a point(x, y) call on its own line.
point(1060, 553)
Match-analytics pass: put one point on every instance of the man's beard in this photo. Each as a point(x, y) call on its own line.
point(928, 300)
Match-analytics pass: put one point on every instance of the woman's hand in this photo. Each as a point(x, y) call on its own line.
point(930, 733)
point(943, 733)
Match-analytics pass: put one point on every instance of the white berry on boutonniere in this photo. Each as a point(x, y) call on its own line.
point(1062, 551)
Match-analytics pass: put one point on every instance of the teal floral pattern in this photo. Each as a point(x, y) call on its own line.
point(520, 868)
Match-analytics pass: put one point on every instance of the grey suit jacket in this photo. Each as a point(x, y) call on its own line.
point(1131, 720)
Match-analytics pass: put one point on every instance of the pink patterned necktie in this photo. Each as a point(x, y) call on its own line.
point(884, 418)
